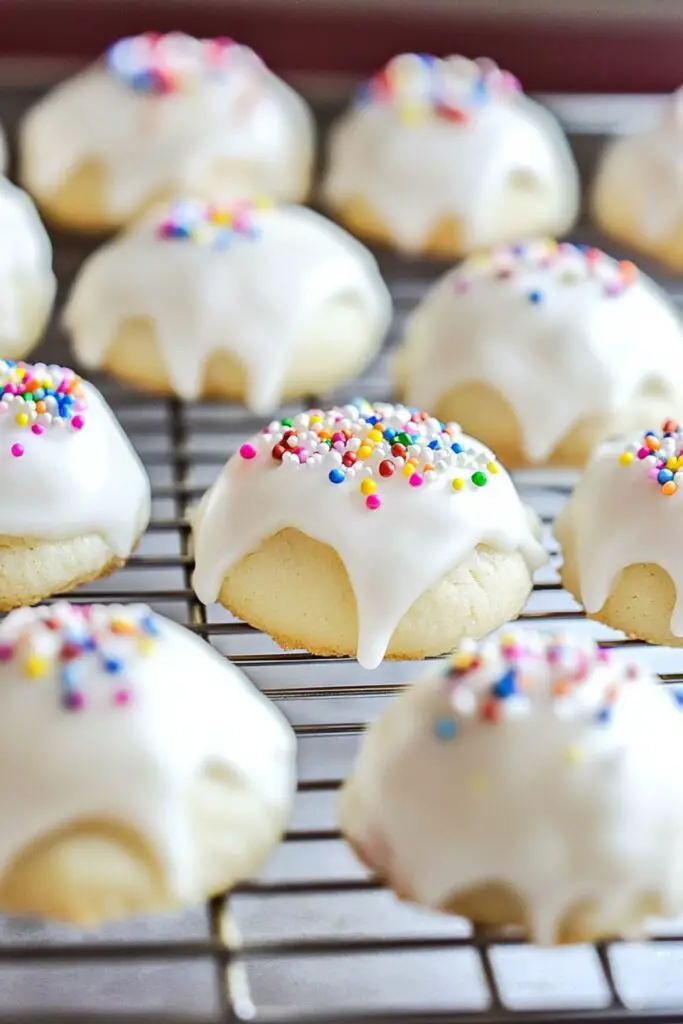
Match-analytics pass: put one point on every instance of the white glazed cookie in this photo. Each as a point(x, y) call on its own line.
point(440, 157)
point(141, 771)
point(162, 116)
point(637, 195)
point(622, 536)
point(75, 496)
point(542, 349)
point(532, 780)
point(368, 531)
point(244, 301)
point(27, 283)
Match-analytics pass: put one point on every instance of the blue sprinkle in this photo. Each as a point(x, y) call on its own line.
point(445, 728)
point(457, 448)
point(535, 297)
point(90, 644)
point(506, 685)
point(678, 697)
point(434, 445)
point(372, 420)
point(113, 665)
point(389, 434)
point(664, 476)
point(150, 625)
point(604, 715)
point(336, 476)
point(70, 675)
point(518, 250)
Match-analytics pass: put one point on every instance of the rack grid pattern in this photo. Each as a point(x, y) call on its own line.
point(314, 937)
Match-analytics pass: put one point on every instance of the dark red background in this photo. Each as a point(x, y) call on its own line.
point(547, 53)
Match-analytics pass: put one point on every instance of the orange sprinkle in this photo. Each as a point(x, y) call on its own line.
point(40, 406)
point(629, 271)
point(562, 688)
point(122, 627)
point(669, 488)
point(652, 443)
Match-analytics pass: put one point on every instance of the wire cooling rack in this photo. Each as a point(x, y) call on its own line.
point(314, 937)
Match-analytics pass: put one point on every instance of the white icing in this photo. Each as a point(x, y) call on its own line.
point(131, 763)
point(69, 483)
point(616, 517)
point(646, 171)
point(564, 799)
point(575, 354)
point(249, 127)
point(413, 175)
point(27, 284)
point(254, 298)
point(393, 554)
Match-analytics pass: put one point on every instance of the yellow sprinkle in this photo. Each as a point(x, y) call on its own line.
point(146, 645)
point(462, 660)
point(368, 487)
point(21, 419)
point(20, 372)
point(480, 783)
point(574, 754)
point(36, 666)
point(626, 458)
point(263, 203)
point(508, 640)
point(364, 452)
point(409, 469)
point(493, 467)
point(672, 463)
point(458, 483)
point(375, 435)
point(315, 419)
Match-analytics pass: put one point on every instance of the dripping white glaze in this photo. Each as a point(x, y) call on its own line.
point(247, 123)
point(392, 554)
point(253, 298)
point(80, 742)
point(414, 172)
point(456, 787)
point(556, 330)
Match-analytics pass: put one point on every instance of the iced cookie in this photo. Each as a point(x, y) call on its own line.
point(440, 157)
point(367, 530)
point(75, 496)
point(622, 536)
point(637, 196)
point(246, 301)
point(27, 283)
point(542, 349)
point(161, 116)
point(533, 780)
point(140, 770)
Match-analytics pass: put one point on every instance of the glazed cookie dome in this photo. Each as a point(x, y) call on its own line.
point(161, 116)
point(367, 530)
point(75, 496)
point(440, 157)
point(27, 283)
point(542, 349)
point(141, 771)
point(246, 301)
point(471, 790)
point(621, 535)
point(638, 188)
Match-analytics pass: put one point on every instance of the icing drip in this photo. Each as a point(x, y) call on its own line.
point(618, 516)
point(574, 314)
point(115, 733)
point(27, 284)
point(244, 278)
point(488, 770)
point(67, 467)
point(419, 86)
point(163, 64)
point(435, 139)
point(183, 122)
point(401, 498)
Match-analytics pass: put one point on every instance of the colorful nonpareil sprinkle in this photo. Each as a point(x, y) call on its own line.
point(659, 455)
point(162, 64)
point(373, 449)
point(212, 225)
point(509, 676)
point(39, 398)
point(419, 86)
point(77, 645)
point(552, 263)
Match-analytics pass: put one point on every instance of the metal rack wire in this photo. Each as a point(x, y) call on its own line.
point(314, 936)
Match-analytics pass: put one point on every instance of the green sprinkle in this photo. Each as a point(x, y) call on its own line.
point(405, 439)
point(286, 423)
point(479, 479)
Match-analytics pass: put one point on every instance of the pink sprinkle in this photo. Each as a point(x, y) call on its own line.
point(632, 672)
point(6, 652)
point(339, 437)
point(17, 450)
point(504, 274)
point(643, 453)
point(76, 701)
point(653, 473)
point(373, 501)
point(303, 455)
point(38, 428)
point(122, 697)
point(339, 446)
point(553, 655)
point(603, 654)
point(513, 653)
point(78, 422)
point(416, 480)
point(462, 285)
point(247, 451)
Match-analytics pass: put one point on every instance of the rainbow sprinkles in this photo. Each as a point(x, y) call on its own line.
point(211, 225)
point(660, 455)
point(420, 86)
point(40, 398)
point(373, 447)
point(161, 65)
